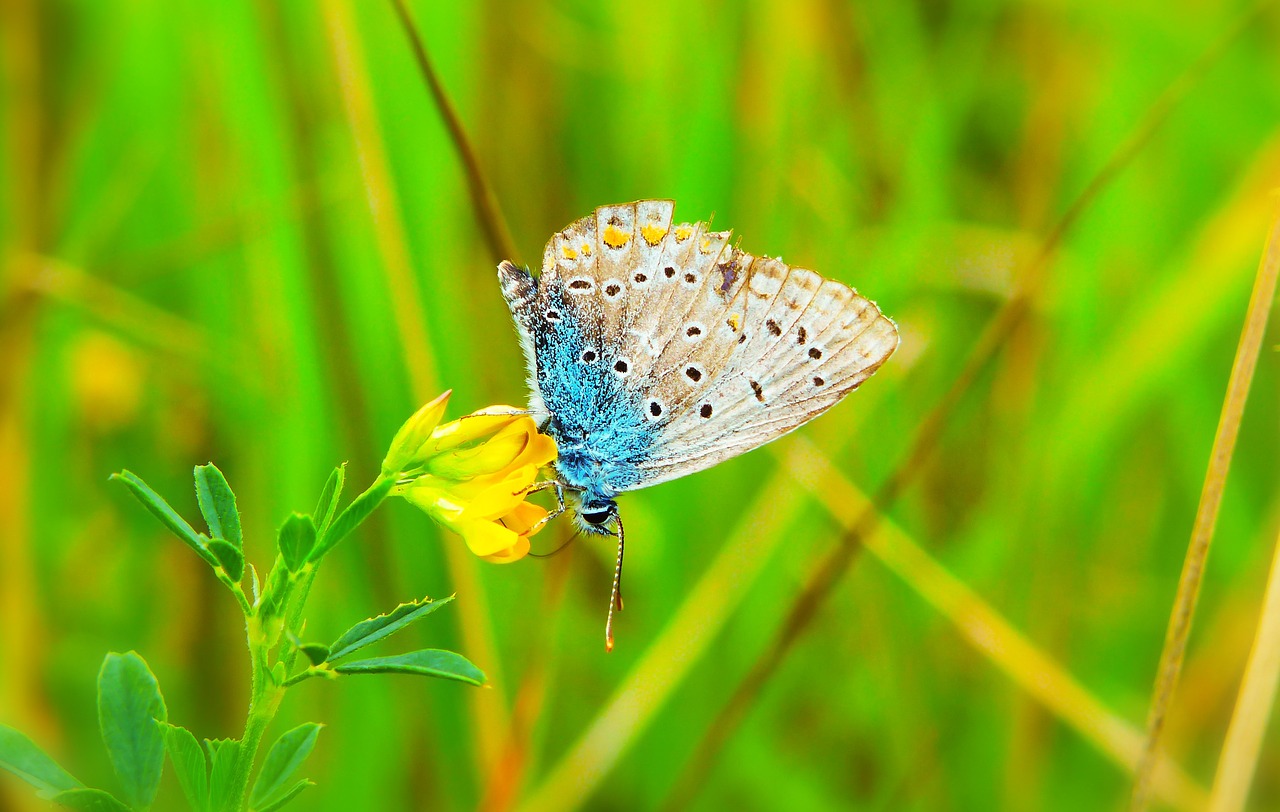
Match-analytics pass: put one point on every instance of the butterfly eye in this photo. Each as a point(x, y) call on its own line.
point(598, 515)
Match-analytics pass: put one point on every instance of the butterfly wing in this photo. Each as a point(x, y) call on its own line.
point(775, 347)
point(698, 351)
point(816, 342)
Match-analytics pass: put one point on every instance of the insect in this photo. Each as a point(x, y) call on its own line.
point(657, 349)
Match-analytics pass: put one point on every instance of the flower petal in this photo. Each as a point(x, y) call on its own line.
point(485, 537)
point(438, 502)
point(491, 456)
point(483, 423)
point(502, 495)
point(513, 553)
point(540, 451)
point(523, 517)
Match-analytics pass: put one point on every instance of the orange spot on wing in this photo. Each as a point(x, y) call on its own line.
point(652, 234)
point(683, 233)
point(615, 237)
point(586, 249)
point(569, 253)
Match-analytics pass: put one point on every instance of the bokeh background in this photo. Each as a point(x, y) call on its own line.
point(240, 232)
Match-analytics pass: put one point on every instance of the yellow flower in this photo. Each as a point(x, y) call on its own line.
point(472, 475)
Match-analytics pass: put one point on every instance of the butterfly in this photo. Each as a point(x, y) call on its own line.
point(656, 349)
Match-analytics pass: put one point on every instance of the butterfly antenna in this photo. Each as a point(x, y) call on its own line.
point(615, 597)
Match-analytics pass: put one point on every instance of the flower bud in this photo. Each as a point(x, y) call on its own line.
point(406, 452)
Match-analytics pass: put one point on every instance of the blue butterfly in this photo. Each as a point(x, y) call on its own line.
point(657, 349)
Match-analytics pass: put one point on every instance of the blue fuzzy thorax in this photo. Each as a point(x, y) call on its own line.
point(598, 425)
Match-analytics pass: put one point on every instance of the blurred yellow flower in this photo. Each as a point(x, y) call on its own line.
point(472, 475)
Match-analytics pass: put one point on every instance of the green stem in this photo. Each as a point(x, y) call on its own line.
point(349, 519)
point(237, 590)
point(264, 701)
point(265, 691)
point(355, 513)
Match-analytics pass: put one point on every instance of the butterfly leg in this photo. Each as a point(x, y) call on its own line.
point(557, 488)
point(615, 597)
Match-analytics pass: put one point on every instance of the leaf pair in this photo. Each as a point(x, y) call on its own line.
point(426, 662)
point(223, 548)
point(205, 790)
point(211, 790)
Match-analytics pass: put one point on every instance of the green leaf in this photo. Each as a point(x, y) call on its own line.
point(297, 539)
point(376, 628)
point(275, 593)
point(281, 800)
point(315, 652)
point(129, 705)
point(190, 765)
point(223, 754)
point(218, 504)
point(89, 800)
point(350, 518)
point(329, 498)
point(169, 517)
point(427, 662)
point(20, 756)
point(229, 556)
point(284, 758)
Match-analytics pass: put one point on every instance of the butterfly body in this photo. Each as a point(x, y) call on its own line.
point(580, 400)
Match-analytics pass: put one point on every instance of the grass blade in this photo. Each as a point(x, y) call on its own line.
point(1224, 442)
point(1243, 745)
point(483, 200)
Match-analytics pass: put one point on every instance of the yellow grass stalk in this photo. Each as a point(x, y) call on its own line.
point(1240, 753)
point(1224, 443)
point(987, 630)
point(489, 718)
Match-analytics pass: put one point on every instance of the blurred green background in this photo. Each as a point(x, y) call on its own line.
point(238, 231)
